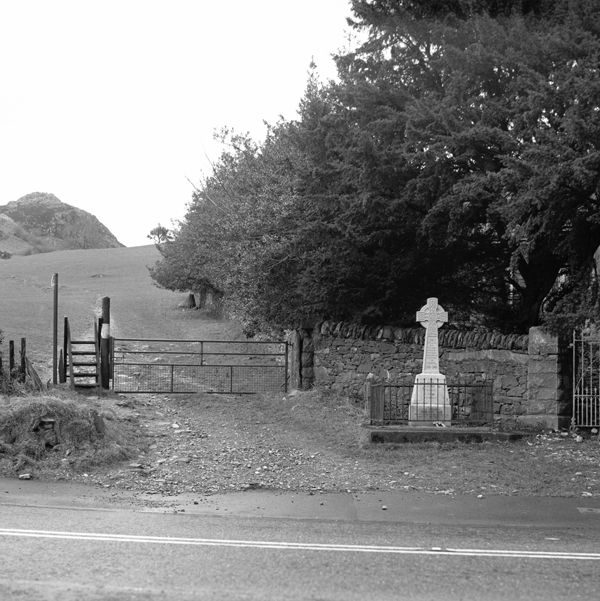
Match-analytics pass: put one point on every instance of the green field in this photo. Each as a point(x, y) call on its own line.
point(138, 307)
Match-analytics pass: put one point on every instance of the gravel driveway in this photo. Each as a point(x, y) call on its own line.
point(315, 442)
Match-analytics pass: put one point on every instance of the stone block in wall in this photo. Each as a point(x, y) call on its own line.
point(506, 381)
point(542, 384)
point(542, 364)
point(546, 394)
point(493, 355)
point(544, 407)
point(518, 392)
point(322, 375)
point(542, 342)
point(518, 408)
point(386, 333)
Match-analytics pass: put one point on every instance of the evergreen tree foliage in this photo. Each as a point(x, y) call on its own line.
point(457, 156)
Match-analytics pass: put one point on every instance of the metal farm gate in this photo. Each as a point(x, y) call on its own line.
point(586, 379)
point(190, 366)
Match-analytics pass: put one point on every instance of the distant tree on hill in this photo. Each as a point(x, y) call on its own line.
point(160, 234)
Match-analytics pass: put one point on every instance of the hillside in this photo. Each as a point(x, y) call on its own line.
point(138, 307)
point(40, 222)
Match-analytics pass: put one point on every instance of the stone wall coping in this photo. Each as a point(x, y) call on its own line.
point(448, 337)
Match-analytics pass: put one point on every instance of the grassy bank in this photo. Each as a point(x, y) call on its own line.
point(138, 307)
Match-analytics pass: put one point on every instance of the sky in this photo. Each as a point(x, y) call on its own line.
point(112, 105)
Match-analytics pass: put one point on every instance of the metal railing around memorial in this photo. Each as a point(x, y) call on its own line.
point(190, 366)
point(466, 404)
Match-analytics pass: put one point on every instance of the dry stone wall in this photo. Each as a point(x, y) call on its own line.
point(526, 377)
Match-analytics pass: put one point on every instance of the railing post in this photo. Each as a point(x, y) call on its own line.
point(375, 402)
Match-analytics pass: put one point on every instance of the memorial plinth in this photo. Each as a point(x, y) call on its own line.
point(430, 402)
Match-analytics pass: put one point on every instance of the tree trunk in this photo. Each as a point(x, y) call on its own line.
point(539, 273)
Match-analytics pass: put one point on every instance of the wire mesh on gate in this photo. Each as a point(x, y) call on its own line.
point(179, 366)
point(469, 404)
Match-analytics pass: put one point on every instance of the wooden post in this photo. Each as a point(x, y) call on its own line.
point(62, 377)
point(65, 353)
point(105, 344)
point(11, 359)
point(55, 331)
point(23, 367)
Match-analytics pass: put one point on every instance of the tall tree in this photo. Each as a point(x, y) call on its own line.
point(457, 156)
point(502, 130)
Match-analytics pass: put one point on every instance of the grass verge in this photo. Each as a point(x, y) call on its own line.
point(55, 434)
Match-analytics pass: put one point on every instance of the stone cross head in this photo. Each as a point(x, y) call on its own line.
point(431, 314)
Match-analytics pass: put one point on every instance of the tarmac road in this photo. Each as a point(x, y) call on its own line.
point(68, 542)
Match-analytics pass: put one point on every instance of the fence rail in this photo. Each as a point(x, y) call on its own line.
point(469, 404)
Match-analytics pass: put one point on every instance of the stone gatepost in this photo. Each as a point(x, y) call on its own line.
point(547, 403)
point(301, 359)
point(430, 401)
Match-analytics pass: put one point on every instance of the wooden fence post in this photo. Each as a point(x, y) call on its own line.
point(11, 359)
point(23, 367)
point(105, 369)
point(62, 378)
point(55, 375)
point(65, 349)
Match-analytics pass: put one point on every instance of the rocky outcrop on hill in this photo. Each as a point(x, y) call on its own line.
point(40, 222)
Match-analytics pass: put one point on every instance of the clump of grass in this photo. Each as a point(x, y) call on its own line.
point(51, 433)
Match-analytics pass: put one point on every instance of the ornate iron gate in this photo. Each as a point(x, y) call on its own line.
point(586, 378)
point(189, 366)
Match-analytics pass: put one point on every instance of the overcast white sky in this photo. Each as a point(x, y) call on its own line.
point(111, 104)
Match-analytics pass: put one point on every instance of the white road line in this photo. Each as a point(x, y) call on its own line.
point(209, 542)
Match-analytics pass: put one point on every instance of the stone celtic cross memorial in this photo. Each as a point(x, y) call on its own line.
point(430, 402)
